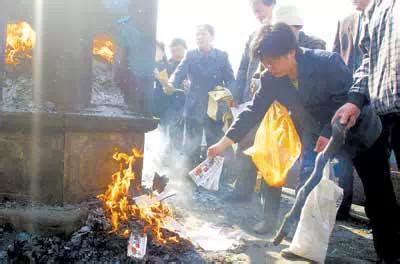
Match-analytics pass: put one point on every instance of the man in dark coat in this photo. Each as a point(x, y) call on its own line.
point(205, 67)
point(377, 83)
point(176, 101)
point(346, 45)
point(312, 84)
point(247, 84)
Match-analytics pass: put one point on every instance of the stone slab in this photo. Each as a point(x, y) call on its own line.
point(47, 221)
point(89, 165)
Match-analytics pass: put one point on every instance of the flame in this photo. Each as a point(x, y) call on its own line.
point(21, 39)
point(121, 208)
point(104, 48)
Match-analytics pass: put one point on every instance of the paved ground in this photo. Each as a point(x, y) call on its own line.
point(351, 240)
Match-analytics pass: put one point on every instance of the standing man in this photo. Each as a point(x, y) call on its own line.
point(160, 99)
point(176, 101)
point(348, 35)
point(301, 80)
point(377, 82)
point(346, 44)
point(246, 85)
point(248, 66)
point(205, 67)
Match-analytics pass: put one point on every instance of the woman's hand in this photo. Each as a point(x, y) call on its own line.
point(219, 148)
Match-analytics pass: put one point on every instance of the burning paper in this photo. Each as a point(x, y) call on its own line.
point(121, 208)
point(137, 246)
point(147, 200)
point(104, 48)
point(20, 42)
point(208, 173)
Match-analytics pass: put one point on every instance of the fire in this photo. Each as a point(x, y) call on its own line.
point(121, 208)
point(21, 39)
point(104, 48)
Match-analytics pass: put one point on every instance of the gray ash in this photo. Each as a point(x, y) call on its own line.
point(93, 243)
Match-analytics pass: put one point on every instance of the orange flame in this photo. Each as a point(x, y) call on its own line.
point(121, 208)
point(104, 48)
point(21, 39)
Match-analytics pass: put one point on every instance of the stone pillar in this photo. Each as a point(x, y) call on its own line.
point(144, 14)
point(3, 32)
point(65, 156)
point(66, 58)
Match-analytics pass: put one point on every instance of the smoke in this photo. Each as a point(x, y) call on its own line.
point(162, 157)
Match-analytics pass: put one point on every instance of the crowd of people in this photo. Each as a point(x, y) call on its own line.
point(356, 84)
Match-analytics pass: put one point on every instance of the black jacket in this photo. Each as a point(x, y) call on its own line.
point(324, 81)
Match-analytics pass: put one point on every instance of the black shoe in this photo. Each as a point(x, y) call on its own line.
point(264, 227)
point(343, 216)
point(237, 198)
point(289, 255)
point(388, 261)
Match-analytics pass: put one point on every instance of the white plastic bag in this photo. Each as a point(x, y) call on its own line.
point(318, 219)
point(208, 173)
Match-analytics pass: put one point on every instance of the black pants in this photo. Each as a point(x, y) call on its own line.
point(244, 168)
point(381, 207)
point(194, 135)
point(246, 176)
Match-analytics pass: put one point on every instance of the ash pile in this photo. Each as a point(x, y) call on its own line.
point(94, 242)
point(125, 224)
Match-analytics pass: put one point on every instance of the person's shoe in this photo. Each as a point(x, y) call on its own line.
point(388, 261)
point(281, 234)
point(237, 198)
point(343, 216)
point(264, 227)
point(289, 255)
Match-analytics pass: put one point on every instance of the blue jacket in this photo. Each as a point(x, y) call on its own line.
point(324, 81)
point(249, 65)
point(205, 72)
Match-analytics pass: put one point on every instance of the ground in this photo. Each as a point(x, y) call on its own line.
point(194, 208)
point(351, 241)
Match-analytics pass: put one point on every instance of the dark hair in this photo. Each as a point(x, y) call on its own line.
point(265, 2)
point(274, 41)
point(178, 42)
point(208, 28)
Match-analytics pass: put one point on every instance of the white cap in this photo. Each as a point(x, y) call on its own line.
point(288, 14)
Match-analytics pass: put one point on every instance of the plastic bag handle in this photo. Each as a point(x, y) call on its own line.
point(337, 139)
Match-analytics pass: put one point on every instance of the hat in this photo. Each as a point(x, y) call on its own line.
point(288, 14)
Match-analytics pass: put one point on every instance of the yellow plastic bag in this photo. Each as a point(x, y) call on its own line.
point(276, 147)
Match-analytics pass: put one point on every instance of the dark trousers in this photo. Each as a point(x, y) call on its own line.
point(343, 168)
point(246, 176)
point(194, 135)
point(244, 168)
point(381, 206)
point(175, 129)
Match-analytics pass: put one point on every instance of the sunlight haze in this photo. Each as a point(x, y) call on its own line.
point(234, 21)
